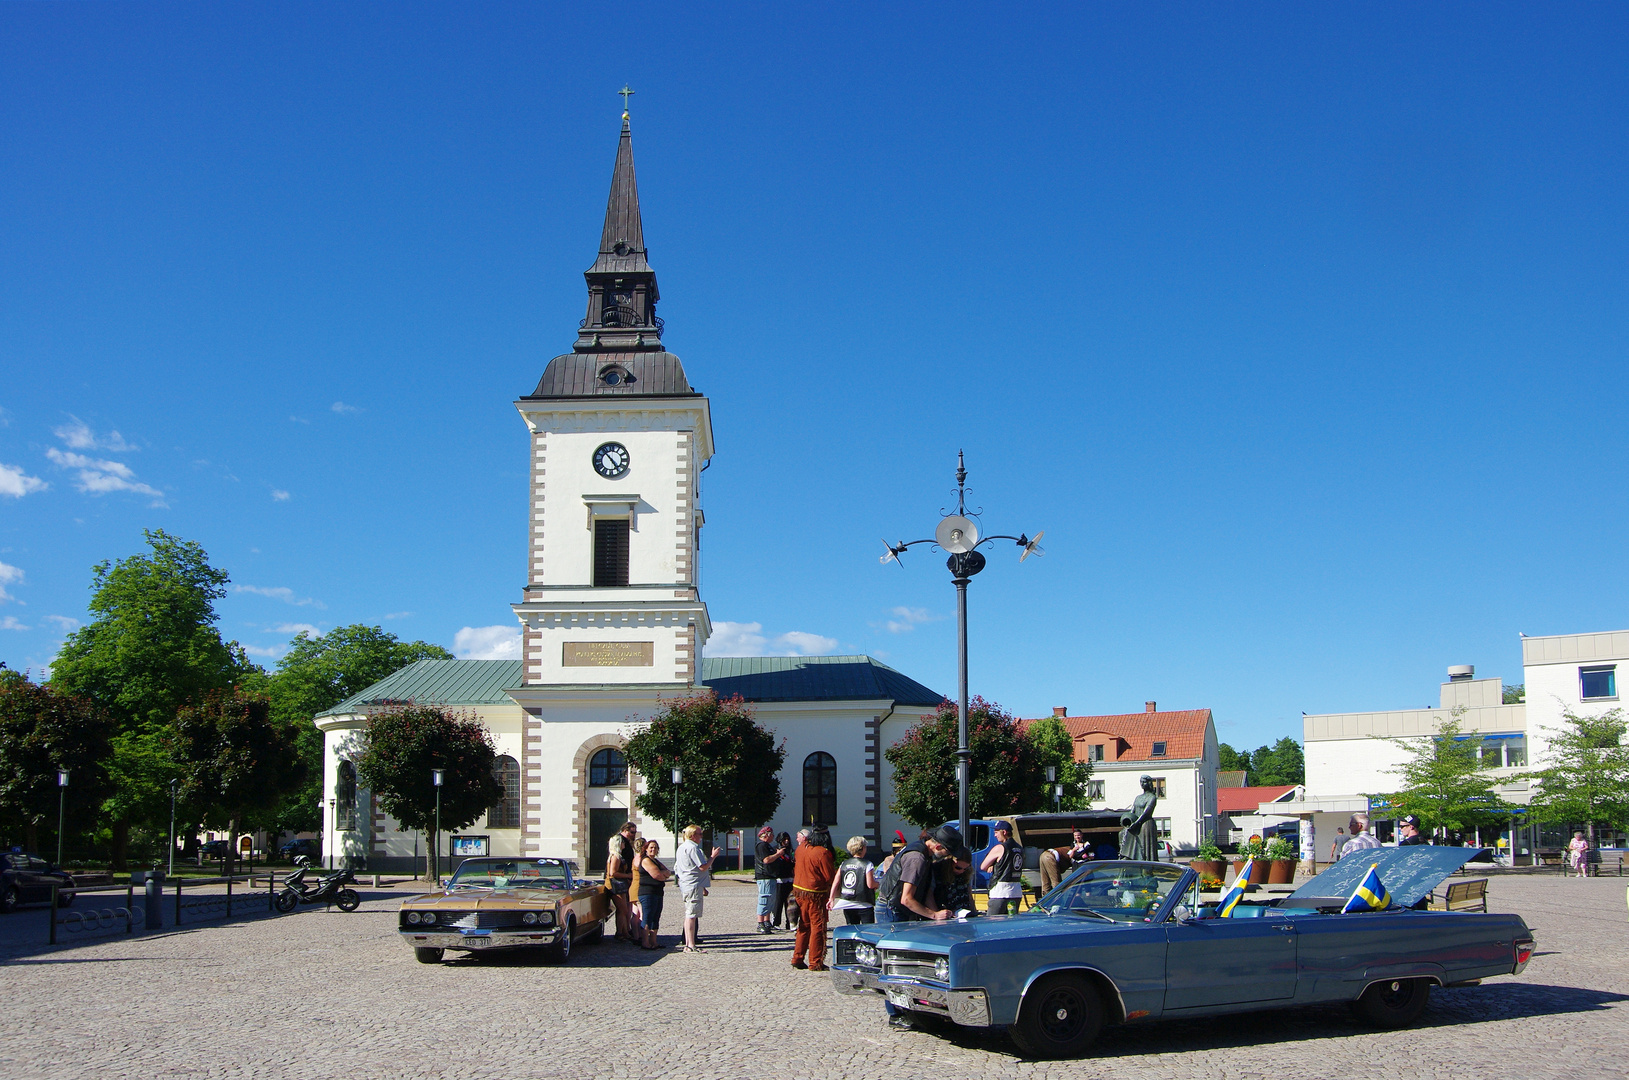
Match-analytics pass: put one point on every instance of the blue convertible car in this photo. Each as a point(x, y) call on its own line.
point(1121, 942)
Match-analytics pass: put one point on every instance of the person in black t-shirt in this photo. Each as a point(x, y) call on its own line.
point(784, 867)
point(768, 858)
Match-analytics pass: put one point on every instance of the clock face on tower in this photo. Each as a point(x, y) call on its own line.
point(611, 460)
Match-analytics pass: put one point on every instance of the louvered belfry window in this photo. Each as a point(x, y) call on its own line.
point(610, 552)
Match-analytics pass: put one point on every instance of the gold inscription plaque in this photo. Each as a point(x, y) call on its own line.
point(610, 654)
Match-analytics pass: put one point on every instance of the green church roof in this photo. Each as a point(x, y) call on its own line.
point(755, 678)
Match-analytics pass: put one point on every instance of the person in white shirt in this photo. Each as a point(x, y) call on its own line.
point(1361, 838)
point(694, 871)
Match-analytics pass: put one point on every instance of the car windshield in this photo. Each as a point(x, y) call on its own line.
point(510, 873)
point(1123, 892)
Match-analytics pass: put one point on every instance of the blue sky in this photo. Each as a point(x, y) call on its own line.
point(1299, 330)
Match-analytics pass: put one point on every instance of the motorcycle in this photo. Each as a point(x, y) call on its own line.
point(328, 889)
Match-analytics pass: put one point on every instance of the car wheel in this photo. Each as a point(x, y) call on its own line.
point(1060, 1017)
point(287, 901)
point(560, 951)
point(9, 899)
point(1393, 1004)
point(425, 954)
point(348, 899)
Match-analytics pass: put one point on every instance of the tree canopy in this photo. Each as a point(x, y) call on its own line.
point(42, 731)
point(1586, 774)
point(730, 765)
point(1055, 746)
point(402, 746)
point(1007, 773)
point(1280, 763)
point(1446, 781)
point(233, 761)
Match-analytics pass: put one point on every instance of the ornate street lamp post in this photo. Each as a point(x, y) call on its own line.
point(62, 809)
point(435, 847)
point(172, 828)
point(959, 535)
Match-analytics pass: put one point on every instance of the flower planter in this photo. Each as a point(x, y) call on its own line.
point(1258, 871)
point(1215, 868)
point(1280, 871)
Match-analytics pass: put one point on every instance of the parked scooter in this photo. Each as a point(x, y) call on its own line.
point(328, 889)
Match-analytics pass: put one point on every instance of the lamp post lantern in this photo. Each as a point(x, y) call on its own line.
point(1057, 788)
point(959, 535)
point(333, 825)
point(435, 847)
point(62, 809)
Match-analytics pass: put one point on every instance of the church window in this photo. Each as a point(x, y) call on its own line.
point(608, 768)
point(505, 813)
point(819, 788)
point(345, 797)
point(610, 552)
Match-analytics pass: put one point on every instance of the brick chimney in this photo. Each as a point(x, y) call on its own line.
point(1060, 711)
point(1149, 706)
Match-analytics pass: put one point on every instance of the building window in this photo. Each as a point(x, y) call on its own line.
point(1095, 752)
point(1163, 824)
point(1159, 749)
point(610, 552)
point(1515, 753)
point(607, 768)
point(345, 797)
point(1596, 683)
point(1094, 789)
point(819, 788)
point(505, 813)
point(1159, 786)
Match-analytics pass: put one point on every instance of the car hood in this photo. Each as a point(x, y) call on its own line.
point(475, 899)
point(940, 936)
point(1408, 873)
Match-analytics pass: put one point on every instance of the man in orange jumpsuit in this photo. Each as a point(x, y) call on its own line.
point(812, 874)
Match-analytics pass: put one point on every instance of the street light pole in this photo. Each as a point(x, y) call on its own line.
point(678, 779)
point(62, 809)
point(959, 536)
point(435, 848)
point(172, 828)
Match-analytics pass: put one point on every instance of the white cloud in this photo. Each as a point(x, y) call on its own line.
point(298, 420)
point(487, 643)
point(279, 495)
point(270, 652)
point(397, 615)
point(16, 483)
point(79, 436)
point(749, 639)
point(98, 477)
point(11, 623)
point(9, 575)
point(906, 619)
point(341, 407)
point(63, 623)
point(303, 628)
point(280, 592)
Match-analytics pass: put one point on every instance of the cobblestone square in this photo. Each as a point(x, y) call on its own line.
point(321, 993)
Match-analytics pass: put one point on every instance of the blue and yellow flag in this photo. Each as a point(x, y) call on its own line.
point(1370, 895)
point(1235, 892)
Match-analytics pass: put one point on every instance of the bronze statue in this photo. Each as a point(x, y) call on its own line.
point(1139, 839)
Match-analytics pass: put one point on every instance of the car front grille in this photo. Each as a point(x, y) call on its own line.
point(912, 965)
point(478, 920)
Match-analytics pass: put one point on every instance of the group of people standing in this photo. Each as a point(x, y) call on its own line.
point(637, 880)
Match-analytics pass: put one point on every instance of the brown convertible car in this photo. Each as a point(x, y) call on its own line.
point(506, 903)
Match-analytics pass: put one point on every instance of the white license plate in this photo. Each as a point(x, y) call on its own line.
point(477, 942)
point(898, 1000)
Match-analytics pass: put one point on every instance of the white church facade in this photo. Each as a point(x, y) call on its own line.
point(611, 614)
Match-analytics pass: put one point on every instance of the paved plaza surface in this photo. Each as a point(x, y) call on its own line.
point(325, 994)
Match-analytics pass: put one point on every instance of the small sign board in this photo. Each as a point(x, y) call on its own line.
point(609, 654)
point(470, 846)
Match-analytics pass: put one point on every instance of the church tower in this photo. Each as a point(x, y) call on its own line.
point(611, 614)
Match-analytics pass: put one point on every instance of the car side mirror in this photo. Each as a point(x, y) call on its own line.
point(1181, 914)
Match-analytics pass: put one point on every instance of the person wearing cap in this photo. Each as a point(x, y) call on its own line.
point(1005, 864)
point(1408, 829)
point(905, 893)
point(1362, 839)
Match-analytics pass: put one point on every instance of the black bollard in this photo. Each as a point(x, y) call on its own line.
point(153, 898)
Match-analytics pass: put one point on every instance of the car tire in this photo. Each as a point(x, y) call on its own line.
point(428, 954)
point(287, 901)
point(1394, 1003)
point(560, 951)
point(348, 899)
point(9, 899)
point(1060, 1017)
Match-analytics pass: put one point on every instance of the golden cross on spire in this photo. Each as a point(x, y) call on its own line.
point(626, 94)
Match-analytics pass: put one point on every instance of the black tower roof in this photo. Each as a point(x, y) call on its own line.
point(619, 349)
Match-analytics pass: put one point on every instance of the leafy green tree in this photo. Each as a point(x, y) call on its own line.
point(1281, 763)
point(1006, 773)
point(1231, 760)
point(150, 648)
point(403, 745)
point(1056, 747)
point(1446, 782)
point(232, 758)
point(731, 765)
point(42, 731)
point(316, 674)
point(1586, 773)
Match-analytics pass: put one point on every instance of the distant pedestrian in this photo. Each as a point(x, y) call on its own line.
point(1361, 839)
point(1335, 848)
point(694, 870)
point(1005, 865)
point(1079, 850)
point(811, 885)
point(854, 888)
point(1408, 831)
point(1578, 854)
point(783, 882)
point(1054, 862)
point(765, 861)
point(653, 879)
point(619, 875)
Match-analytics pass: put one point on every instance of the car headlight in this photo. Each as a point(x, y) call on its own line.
point(941, 969)
point(412, 918)
point(427, 918)
point(545, 918)
point(529, 918)
point(865, 954)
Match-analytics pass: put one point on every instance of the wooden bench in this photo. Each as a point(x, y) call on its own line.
point(1600, 862)
point(1468, 895)
point(1551, 858)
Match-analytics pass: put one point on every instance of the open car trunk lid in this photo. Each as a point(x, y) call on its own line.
point(1408, 873)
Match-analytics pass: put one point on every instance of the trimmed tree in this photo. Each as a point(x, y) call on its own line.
point(1055, 746)
point(42, 731)
point(1446, 782)
point(233, 759)
point(1007, 774)
point(1586, 776)
point(731, 766)
point(403, 746)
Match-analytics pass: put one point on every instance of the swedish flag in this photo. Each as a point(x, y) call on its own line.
point(1235, 892)
point(1370, 895)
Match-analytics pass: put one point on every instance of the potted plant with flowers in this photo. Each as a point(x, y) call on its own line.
point(1209, 862)
point(1280, 861)
point(1252, 849)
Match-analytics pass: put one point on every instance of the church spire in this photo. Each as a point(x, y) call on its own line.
point(622, 291)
